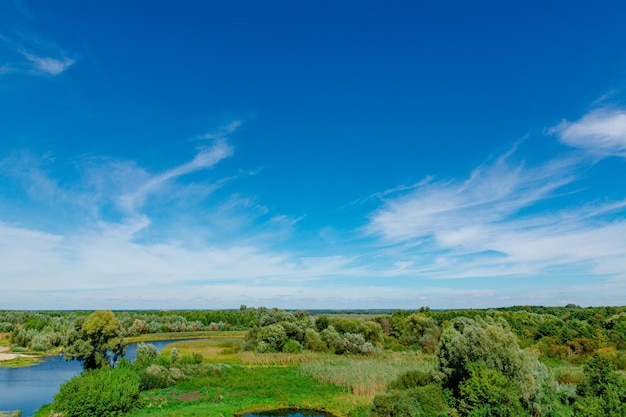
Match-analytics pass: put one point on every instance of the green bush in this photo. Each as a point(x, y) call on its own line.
point(396, 404)
point(292, 346)
point(314, 342)
point(488, 393)
point(412, 379)
point(432, 399)
point(146, 355)
point(274, 335)
point(102, 392)
point(603, 391)
point(157, 376)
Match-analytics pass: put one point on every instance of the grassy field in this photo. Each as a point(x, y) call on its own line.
point(186, 335)
point(241, 389)
point(250, 381)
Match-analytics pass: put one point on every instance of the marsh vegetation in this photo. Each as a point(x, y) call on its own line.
point(527, 361)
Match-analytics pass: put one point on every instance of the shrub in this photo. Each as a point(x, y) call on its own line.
point(146, 355)
point(102, 392)
point(156, 376)
point(343, 325)
point(292, 346)
point(174, 355)
point(321, 323)
point(489, 393)
point(418, 378)
point(274, 335)
point(396, 404)
point(314, 342)
point(263, 347)
point(293, 330)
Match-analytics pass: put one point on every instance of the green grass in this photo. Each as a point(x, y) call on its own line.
point(20, 362)
point(240, 390)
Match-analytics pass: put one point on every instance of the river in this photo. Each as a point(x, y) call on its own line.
point(30, 387)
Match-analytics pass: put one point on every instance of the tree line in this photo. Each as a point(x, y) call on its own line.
point(487, 362)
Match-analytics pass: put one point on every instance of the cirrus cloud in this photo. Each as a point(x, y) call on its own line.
point(601, 132)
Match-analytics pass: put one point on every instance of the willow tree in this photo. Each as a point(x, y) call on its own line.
point(97, 341)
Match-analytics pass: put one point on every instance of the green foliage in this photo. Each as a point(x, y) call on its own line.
point(174, 356)
point(397, 404)
point(411, 379)
point(145, 355)
point(431, 398)
point(422, 401)
point(488, 393)
point(101, 392)
point(291, 332)
point(97, 342)
point(292, 346)
point(158, 376)
point(343, 325)
point(603, 390)
point(314, 342)
point(321, 323)
point(491, 342)
point(193, 359)
point(273, 336)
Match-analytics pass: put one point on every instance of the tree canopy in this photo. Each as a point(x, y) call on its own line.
point(97, 341)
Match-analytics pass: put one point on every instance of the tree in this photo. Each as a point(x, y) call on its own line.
point(603, 392)
point(97, 341)
point(488, 393)
point(274, 336)
point(492, 343)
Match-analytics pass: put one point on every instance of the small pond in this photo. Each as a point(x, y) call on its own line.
point(30, 387)
point(289, 413)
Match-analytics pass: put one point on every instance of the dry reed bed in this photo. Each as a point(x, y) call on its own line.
point(276, 359)
point(363, 376)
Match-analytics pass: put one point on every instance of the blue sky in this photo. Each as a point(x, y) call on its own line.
point(352, 154)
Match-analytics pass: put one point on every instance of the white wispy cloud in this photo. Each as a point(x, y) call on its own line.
point(492, 193)
point(204, 159)
point(46, 65)
point(601, 132)
point(508, 219)
point(102, 254)
point(223, 131)
point(25, 49)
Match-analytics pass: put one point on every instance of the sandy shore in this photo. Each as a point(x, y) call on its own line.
point(7, 356)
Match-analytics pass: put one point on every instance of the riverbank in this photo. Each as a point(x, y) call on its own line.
point(15, 360)
point(10, 359)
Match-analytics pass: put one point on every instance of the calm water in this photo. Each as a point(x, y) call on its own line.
point(289, 413)
point(30, 387)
